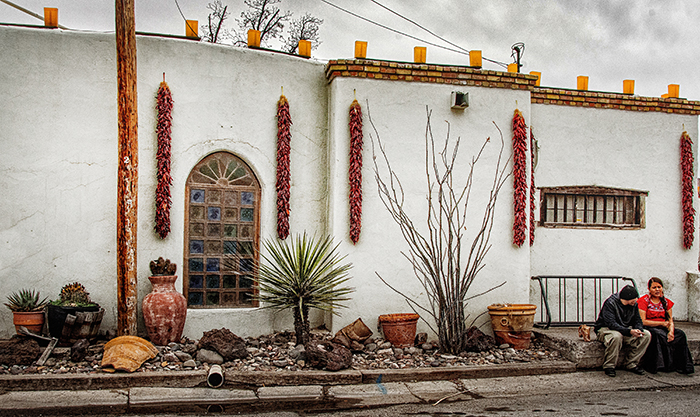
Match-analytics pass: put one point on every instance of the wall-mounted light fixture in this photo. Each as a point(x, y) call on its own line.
point(459, 100)
point(50, 17)
point(419, 53)
point(253, 38)
point(360, 49)
point(305, 48)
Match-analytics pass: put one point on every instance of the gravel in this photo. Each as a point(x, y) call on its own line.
point(278, 352)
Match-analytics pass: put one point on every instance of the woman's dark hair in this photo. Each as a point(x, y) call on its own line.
point(662, 298)
point(653, 280)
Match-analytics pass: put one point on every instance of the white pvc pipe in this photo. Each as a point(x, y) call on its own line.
point(215, 378)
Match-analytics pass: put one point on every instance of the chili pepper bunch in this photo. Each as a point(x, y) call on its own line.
point(532, 186)
point(687, 190)
point(164, 105)
point(355, 171)
point(519, 178)
point(284, 136)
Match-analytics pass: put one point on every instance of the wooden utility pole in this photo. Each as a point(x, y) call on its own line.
point(127, 175)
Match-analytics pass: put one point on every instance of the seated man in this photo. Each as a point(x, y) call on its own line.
point(619, 323)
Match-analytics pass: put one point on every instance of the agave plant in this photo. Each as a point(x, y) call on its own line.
point(302, 273)
point(25, 301)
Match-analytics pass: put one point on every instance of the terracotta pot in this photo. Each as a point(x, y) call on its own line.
point(164, 310)
point(399, 329)
point(512, 323)
point(32, 320)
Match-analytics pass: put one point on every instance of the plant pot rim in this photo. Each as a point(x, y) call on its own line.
point(398, 317)
point(95, 307)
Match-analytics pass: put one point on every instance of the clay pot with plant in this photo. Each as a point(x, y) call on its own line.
point(74, 315)
point(164, 309)
point(27, 310)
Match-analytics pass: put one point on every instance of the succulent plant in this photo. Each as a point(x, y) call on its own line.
point(74, 295)
point(163, 267)
point(25, 301)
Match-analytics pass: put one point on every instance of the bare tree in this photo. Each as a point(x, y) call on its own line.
point(304, 28)
point(213, 31)
point(264, 16)
point(443, 259)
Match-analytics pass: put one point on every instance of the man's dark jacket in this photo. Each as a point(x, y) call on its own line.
point(616, 316)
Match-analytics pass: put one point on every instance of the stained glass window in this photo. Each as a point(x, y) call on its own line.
point(222, 233)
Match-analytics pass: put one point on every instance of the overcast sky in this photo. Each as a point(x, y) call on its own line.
point(651, 41)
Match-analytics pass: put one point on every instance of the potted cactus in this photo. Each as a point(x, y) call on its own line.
point(74, 315)
point(27, 310)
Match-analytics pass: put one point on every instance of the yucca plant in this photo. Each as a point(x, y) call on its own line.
point(302, 273)
point(25, 301)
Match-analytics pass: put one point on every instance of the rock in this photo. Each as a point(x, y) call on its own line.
point(189, 364)
point(110, 334)
point(504, 346)
point(298, 353)
point(371, 347)
point(19, 351)
point(327, 355)
point(477, 341)
point(426, 346)
point(420, 339)
point(356, 346)
point(398, 352)
point(190, 348)
point(223, 341)
point(171, 357)
point(414, 350)
point(79, 350)
point(385, 345)
point(435, 364)
point(387, 351)
point(182, 356)
point(174, 346)
point(280, 363)
point(209, 356)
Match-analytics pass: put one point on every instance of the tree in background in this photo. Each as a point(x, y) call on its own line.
point(305, 28)
point(213, 31)
point(265, 16)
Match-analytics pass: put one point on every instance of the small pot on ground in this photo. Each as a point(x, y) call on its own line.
point(27, 310)
point(399, 329)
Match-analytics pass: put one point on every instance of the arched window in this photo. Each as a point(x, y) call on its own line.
point(222, 233)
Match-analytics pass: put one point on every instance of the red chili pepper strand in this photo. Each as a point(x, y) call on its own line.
point(164, 106)
point(284, 121)
point(687, 161)
point(532, 187)
point(355, 171)
point(519, 178)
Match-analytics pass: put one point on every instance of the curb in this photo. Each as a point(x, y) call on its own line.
point(240, 379)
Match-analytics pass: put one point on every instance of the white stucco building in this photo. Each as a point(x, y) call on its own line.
point(58, 133)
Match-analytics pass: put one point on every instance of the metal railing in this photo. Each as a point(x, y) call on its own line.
point(577, 298)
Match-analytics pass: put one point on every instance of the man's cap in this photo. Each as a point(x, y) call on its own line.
point(629, 293)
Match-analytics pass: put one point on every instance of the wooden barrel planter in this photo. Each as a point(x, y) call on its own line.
point(70, 324)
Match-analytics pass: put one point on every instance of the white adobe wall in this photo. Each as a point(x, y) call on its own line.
point(59, 158)
point(622, 149)
point(398, 110)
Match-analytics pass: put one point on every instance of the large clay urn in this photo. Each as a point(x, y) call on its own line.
point(164, 310)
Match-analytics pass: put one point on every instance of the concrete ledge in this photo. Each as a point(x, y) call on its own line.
point(261, 379)
point(142, 396)
point(474, 371)
point(94, 400)
point(372, 395)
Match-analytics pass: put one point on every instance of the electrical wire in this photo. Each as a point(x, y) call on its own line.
point(459, 51)
point(184, 18)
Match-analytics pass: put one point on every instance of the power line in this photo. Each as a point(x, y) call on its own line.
point(184, 18)
point(459, 51)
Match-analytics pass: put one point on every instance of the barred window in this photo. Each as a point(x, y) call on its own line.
point(592, 207)
point(221, 233)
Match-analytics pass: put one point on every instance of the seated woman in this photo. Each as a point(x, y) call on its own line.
point(668, 350)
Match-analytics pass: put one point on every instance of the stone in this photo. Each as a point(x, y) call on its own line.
point(328, 355)
point(504, 346)
point(385, 345)
point(298, 353)
point(209, 356)
point(420, 339)
point(426, 346)
point(280, 363)
point(174, 346)
point(398, 352)
point(182, 356)
point(371, 347)
point(171, 357)
point(223, 341)
point(19, 351)
point(478, 341)
point(79, 350)
point(189, 364)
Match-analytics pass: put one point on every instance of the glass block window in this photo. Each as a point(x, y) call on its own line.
point(221, 233)
point(592, 207)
